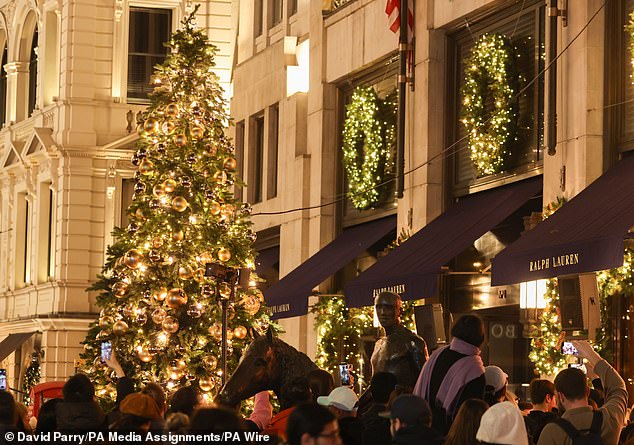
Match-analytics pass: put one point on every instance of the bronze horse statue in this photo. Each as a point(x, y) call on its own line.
point(267, 364)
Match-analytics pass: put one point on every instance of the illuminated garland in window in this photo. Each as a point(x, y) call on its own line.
point(629, 28)
point(489, 110)
point(368, 136)
point(31, 378)
point(545, 352)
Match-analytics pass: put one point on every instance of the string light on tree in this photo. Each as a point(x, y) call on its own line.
point(157, 306)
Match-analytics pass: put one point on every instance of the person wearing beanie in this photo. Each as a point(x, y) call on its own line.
point(454, 373)
point(503, 423)
point(138, 410)
point(410, 422)
point(496, 382)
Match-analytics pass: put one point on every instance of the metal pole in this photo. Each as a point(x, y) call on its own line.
point(223, 357)
point(551, 142)
point(402, 84)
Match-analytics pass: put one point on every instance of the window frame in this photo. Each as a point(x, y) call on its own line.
point(380, 71)
point(257, 147)
point(453, 126)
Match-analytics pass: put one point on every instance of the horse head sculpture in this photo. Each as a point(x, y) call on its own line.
point(267, 364)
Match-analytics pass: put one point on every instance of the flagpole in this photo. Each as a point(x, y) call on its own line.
point(402, 84)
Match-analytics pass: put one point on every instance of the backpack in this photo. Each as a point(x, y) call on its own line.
point(584, 437)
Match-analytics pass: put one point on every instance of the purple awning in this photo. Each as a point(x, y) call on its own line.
point(289, 296)
point(412, 269)
point(585, 235)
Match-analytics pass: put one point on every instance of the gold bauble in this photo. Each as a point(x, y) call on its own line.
point(180, 139)
point(119, 289)
point(199, 275)
point(176, 298)
point(120, 328)
point(229, 334)
point(224, 254)
point(160, 294)
point(171, 110)
point(210, 362)
point(170, 325)
point(133, 259)
point(157, 242)
point(240, 332)
point(197, 132)
point(158, 190)
point(215, 208)
point(178, 235)
point(226, 211)
point(179, 204)
point(220, 176)
point(159, 315)
point(146, 167)
point(230, 163)
point(259, 295)
point(176, 375)
point(215, 331)
point(251, 305)
point(168, 127)
point(170, 185)
point(205, 385)
point(106, 322)
point(205, 258)
point(184, 273)
point(139, 213)
point(144, 355)
point(150, 125)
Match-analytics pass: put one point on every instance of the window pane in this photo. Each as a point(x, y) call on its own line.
point(3, 88)
point(292, 7)
point(276, 12)
point(256, 160)
point(33, 74)
point(258, 18)
point(272, 159)
point(149, 31)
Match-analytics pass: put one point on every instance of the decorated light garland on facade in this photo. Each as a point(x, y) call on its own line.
point(629, 28)
point(31, 378)
point(368, 136)
point(489, 108)
point(545, 352)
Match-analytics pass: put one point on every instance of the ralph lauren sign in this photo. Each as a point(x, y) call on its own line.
point(553, 262)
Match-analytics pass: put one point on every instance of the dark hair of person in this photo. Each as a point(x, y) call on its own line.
point(320, 382)
point(466, 423)
point(539, 389)
point(130, 423)
point(294, 392)
point(185, 400)
point(8, 410)
point(46, 418)
point(125, 387)
point(571, 382)
point(469, 328)
point(307, 418)
point(597, 396)
point(491, 396)
point(78, 389)
point(215, 420)
point(381, 386)
point(155, 391)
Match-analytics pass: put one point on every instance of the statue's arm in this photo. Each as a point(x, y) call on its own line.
point(418, 352)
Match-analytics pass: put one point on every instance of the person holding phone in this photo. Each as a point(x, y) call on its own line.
point(3, 379)
point(572, 391)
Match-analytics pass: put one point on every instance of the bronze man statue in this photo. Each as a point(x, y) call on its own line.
point(400, 352)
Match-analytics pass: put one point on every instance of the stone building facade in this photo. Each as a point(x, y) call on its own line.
point(75, 73)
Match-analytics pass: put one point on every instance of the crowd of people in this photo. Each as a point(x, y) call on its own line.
point(457, 400)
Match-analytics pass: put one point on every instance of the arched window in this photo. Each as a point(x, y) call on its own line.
point(3, 88)
point(33, 74)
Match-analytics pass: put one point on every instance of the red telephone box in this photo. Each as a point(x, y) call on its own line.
point(43, 392)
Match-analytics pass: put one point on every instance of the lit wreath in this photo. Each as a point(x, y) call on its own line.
point(364, 148)
point(489, 110)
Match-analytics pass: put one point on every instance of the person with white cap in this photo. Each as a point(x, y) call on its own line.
point(343, 403)
point(503, 423)
point(496, 383)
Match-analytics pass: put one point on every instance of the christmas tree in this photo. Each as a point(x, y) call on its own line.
point(159, 310)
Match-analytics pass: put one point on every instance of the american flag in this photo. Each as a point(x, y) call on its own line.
point(392, 9)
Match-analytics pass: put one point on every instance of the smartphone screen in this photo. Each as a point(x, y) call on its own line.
point(568, 349)
point(3, 379)
point(344, 373)
point(106, 350)
point(578, 366)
